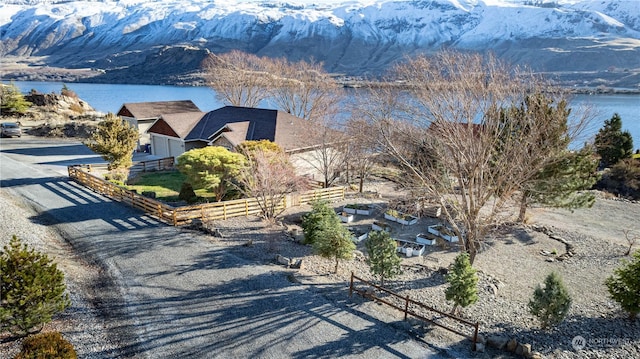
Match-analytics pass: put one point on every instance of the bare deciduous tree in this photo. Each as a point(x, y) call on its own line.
point(459, 147)
point(371, 111)
point(304, 89)
point(328, 154)
point(238, 78)
point(269, 177)
point(631, 240)
point(307, 91)
point(360, 149)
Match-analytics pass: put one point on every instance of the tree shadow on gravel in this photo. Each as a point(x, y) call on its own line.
point(83, 204)
point(86, 205)
point(260, 315)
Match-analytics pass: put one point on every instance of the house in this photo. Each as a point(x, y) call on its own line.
point(142, 115)
point(174, 134)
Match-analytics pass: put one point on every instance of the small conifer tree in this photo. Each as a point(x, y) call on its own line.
point(12, 101)
point(315, 220)
point(463, 283)
point(624, 285)
point(46, 345)
point(334, 241)
point(383, 257)
point(115, 140)
point(612, 143)
point(551, 303)
point(32, 289)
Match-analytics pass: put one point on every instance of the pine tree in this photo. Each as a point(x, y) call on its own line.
point(12, 101)
point(314, 221)
point(463, 283)
point(332, 239)
point(551, 303)
point(624, 285)
point(383, 256)
point(561, 174)
point(613, 144)
point(115, 141)
point(562, 183)
point(32, 289)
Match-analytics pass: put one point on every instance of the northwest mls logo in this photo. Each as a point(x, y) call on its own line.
point(578, 342)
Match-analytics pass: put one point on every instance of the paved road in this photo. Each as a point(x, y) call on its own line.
point(173, 295)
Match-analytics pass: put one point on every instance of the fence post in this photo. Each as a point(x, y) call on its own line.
point(475, 337)
point(351, 286)
point(406, 307)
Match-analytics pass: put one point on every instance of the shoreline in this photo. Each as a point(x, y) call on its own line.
point(34, 70)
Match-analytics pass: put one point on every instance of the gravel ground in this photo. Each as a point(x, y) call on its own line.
point(82, 324)
point(169, 292)
point(511, 265)
point(509, 268)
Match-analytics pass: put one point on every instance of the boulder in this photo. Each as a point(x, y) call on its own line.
point(497, 341)
point(519, 349)
point(296, 263)
point(512, 345)
point(526, 350)
point(480, 347)
point(283, 260)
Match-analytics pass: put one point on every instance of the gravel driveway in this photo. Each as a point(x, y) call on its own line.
point(165, 292)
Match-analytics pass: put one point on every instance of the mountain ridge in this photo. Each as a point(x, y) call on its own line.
point(564, 38)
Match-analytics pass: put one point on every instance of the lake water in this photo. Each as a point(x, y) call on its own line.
point(110, 97)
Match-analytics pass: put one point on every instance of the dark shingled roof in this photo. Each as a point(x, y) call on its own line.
point(153, 110)
point(257, 124)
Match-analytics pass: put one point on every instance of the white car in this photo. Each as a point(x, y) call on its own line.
point(10, 129)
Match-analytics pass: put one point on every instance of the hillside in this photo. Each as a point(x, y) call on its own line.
point(580, 42)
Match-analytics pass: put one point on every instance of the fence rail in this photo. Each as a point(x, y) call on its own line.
point(160, 164)
point(408, 306)
point(179, 216)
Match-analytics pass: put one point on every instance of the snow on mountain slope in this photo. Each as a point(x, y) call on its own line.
point(356, 36)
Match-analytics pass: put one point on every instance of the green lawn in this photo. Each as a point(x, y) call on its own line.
point(166, 185)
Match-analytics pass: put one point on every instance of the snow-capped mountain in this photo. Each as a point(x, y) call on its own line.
point(352, 37)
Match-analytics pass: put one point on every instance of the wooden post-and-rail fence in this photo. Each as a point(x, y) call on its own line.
point(179, 216)
point(409, 304)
